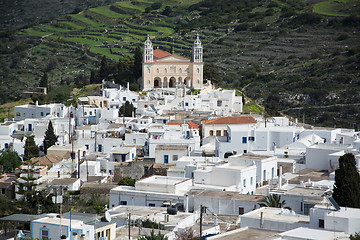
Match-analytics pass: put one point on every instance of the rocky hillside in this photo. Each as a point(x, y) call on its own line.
point(294, 57)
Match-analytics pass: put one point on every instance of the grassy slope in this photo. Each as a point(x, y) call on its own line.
point(81, 38)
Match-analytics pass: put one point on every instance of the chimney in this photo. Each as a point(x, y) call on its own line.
point(280, 177)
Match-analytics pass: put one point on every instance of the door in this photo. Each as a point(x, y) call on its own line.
point(166, 158)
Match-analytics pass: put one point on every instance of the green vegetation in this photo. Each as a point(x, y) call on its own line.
point(252, 107)
point(281, 54)
point(153, 236)
point(50, 138)
point(274, 200)
point(10, 160)
point(127, 181)
point(347, 182)
point(336, 7)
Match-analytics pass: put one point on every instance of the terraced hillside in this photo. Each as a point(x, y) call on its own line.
point(278, 52)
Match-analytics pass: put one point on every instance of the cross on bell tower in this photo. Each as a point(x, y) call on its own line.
point(197, 50)
point(148, 50)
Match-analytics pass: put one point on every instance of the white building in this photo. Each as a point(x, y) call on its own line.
point(223, 202)
point(266, 166)
point(251, 138)
point(23, 112)
point(274, 219)
point(54, 228)
point(325, 216)
point(233, 176)
point(318, 156)
point(173, 135)
point(152, 191)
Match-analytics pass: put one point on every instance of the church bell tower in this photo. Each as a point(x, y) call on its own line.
point(148, 51)
point(197, 50)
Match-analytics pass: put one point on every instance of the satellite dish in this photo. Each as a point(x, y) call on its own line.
point(107, 216)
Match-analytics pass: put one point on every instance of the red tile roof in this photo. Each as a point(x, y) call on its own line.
point(158, 53)
point(231, 120)
point(190, 124)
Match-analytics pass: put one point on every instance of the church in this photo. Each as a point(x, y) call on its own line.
point(162, 69)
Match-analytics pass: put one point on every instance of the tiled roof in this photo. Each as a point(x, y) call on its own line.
point(158, 53)
point(191, 124)
point(231, 120)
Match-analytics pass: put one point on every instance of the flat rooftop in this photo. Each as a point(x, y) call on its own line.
point(312, 234)
point(306, 174)
point(156, 214)
point(275, 214)
point(246, 234)
point(157, 179)
point(226, 195)
point(301, 191)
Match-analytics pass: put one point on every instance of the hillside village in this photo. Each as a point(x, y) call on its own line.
point(201, 166)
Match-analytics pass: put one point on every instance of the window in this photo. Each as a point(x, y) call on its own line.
point(18, 114)
point(244, 182)
point(175, 157)
point(251, 138)
point(321, 223)
point(123, 202)
point(186, 104)
point(272, 173)
point(90, 113)
point(180, 71)
point(165, 70)
point(252, 192)
point(124, 99)
point(211, 133)
point(166, 158)
point(244, 140)
point(42, 113)
point(264, 175)
point(225, 132)
point(87, 147)
point(241, 211)
point(134, 141)
point(151, 204)
point(251, 181)
point(157, 70)
point(3, 191)
point(44, 234)
point(99, 148)
point(219, 103)
point(218, 132)
point(173, 69)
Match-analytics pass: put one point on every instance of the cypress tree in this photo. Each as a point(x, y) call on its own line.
point(347, 182)
point(50, 138)
point(137, 69)
point(30, 149)
point(44, 82)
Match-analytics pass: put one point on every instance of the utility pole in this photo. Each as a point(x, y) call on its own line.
point(201, 219)
point(129, 225)
point(79, 163)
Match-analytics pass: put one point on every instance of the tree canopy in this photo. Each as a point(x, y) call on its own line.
point(127, 110)
point(347, 182)
point(274, 200)
point(10, 160)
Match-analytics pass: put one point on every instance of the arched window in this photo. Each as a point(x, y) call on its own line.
point(198, 70)
point(180, 70)
point(157, 71)
point(165, 70)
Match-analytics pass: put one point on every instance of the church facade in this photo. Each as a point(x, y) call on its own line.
point(162, 69)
